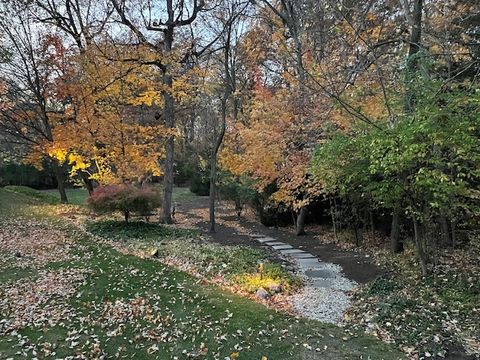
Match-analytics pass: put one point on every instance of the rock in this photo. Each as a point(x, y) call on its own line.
point(275, 288)
point(17, 254)
point(154, 253)
point(262, 294)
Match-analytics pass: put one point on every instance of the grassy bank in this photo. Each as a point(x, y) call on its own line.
point(68, 295)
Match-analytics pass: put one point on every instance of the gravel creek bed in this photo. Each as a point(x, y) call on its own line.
point(325, 296)
point(326, 302)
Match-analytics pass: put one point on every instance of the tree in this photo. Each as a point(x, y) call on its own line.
point(178, 15)
point(107, 130)
point(289, 13)
point(231, 24)
point(420, 164)
point(30, 120)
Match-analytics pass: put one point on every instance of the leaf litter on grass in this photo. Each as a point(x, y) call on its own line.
point(114, 305)
point(32, 243)
point(40, 302)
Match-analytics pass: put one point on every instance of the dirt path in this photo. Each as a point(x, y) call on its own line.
point(234, 231)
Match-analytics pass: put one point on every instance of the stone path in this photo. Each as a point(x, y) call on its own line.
point(325, 295)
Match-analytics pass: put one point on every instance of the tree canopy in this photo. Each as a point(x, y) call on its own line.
point(370, 105)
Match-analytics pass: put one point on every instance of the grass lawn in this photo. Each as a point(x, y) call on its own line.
point(69, 294)
point(181, 194)
point(79, 196)
point(75, 196)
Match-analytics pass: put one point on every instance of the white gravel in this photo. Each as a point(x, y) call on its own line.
point(323, 304)
point(328, 303)
point(322, 298)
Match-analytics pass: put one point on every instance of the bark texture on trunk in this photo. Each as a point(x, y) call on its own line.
point(333, 213)
point(168, 183)
point(169, 118)
point(213, 162)
point(420, 245)
point(213, 179)
point(395, 245)
point(87, 182)
point(300, 230)
point(415, 18)
point(445, 229)
point(60, 181)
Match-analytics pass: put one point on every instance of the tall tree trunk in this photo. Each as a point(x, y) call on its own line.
point(419, 242)
point(60, 181)
point(169, 117)
point(228, 86)
point(213, 162)
point(372, 224)
point(415, 20)
point(333, 210)
point(360, 232)
point(213, 179)
point(395, 244)
point(303, 119)
point(454, 234)
point(238, 205)
point(445, 230)
point(300, 230)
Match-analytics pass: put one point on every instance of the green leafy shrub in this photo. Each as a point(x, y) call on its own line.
point(200, 186)
point(426, 166)
point(241, 190)
point(126, 199)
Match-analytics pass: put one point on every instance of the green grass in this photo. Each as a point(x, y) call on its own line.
point(8, 274)
point(130, 307)
point(75, 196)
point(79, 196)
point(238, 264)
point(182, 194)
point(121, 230)
point(43, 196)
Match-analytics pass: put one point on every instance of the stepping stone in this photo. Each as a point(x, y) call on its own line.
point(265, 239)
point(272, 243)
point(321, 283)
point(282, 247)
point(293, 251)
point(302, 256)
point(308, 264)
point(324, 274)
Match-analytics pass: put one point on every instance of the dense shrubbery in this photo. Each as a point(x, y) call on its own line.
point(426, 166)
point(200, 186)
point(27, 175)
point(126, 199)
point(238, 190)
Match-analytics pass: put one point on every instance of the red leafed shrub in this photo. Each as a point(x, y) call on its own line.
point(126, 199)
